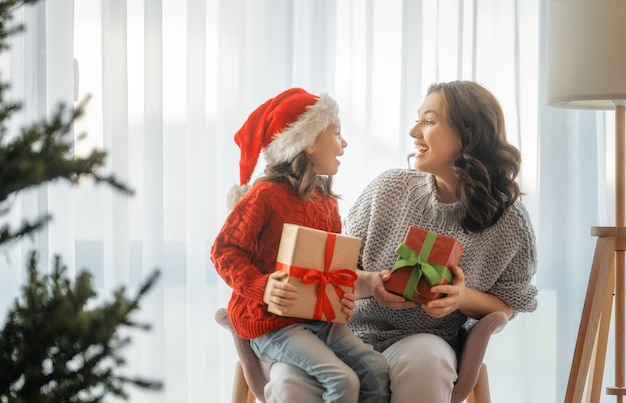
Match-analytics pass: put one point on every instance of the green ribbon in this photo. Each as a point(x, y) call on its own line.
point(432, 272)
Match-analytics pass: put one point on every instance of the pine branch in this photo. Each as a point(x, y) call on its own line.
point(27, 228)
point(42, 152)
point(53, 348)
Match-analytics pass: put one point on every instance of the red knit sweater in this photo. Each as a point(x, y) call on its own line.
point(244, 251)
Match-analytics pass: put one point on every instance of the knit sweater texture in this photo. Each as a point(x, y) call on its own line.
point(244, 251)
point(500, 260)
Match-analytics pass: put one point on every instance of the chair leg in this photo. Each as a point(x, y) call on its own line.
point(241, 392)
point(251, 397)
point(481, 393)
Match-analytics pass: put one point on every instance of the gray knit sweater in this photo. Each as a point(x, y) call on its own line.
point(500, 260)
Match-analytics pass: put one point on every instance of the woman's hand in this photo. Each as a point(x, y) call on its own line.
point(279, 295)
point(454, 296)
point(472, 303)
point(384, 297)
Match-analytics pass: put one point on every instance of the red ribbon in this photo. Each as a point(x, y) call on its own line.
point(337, 277)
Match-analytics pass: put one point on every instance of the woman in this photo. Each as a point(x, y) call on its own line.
point(462, 185)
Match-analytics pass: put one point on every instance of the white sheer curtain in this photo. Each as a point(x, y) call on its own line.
point(172, 80)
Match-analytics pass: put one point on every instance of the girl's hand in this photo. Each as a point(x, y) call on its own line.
point(455, 296)
point(348, 303)
point(278, 295)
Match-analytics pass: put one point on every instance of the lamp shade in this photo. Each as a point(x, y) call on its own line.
point(586, 53)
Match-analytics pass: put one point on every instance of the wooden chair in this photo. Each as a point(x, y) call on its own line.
point(472, 385)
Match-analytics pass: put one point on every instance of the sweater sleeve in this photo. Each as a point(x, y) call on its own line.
point(235, 249)
point(515, 286)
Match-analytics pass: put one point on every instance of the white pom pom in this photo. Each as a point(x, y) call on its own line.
point(235, 194)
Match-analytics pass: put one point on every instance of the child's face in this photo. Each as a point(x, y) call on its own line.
point(327, 147)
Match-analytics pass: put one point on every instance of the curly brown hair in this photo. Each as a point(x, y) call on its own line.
point(488, 164)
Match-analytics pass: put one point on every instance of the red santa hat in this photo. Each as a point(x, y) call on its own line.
point(282, 128)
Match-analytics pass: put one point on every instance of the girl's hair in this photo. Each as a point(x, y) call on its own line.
point(301, 174)
point(487, 164)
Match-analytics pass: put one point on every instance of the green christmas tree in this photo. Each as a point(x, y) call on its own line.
point(57, 346)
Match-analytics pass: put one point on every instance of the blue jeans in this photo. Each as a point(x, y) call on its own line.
point(348, 369)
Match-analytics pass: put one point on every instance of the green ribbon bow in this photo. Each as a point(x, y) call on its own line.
point(432, 272)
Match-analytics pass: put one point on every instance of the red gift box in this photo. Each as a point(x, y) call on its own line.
point(424, 260)
point(323, 267)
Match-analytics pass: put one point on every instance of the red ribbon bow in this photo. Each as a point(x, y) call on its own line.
point(337, 277)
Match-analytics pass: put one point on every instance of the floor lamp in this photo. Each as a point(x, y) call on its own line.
point(586, 69)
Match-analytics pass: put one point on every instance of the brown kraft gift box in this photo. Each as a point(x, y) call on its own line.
point(322, 265)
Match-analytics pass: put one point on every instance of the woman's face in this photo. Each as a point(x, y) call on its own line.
point(437, 143)
point(328, 145)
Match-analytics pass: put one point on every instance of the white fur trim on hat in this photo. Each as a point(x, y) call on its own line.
point(301, 134)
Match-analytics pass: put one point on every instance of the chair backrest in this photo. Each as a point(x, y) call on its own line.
point(473, 353)
point(471, 358)
point(255, 371)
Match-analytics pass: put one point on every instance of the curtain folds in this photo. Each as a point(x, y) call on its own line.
point(171, 81)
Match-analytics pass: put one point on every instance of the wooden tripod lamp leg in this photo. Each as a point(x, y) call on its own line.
point(594, 385)
point(619, 390)
point(590, 318)
point(620, 221)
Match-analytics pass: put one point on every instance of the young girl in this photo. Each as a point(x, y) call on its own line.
point(300, 135)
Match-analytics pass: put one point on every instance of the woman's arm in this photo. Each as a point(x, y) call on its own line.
point(371, 284)
point(478, 304)
point(363, 284)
